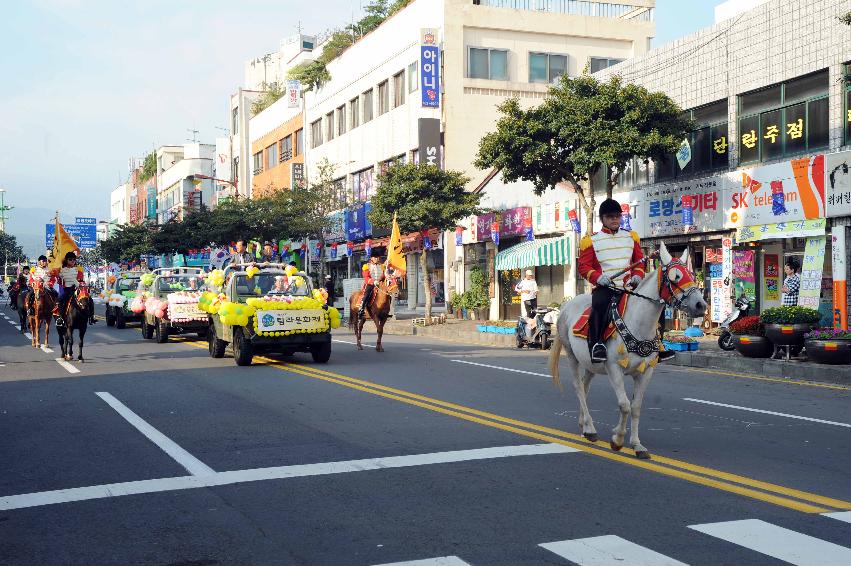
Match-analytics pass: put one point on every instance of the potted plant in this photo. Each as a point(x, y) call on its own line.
point(786, 326)
point(828, 345)
point(479, 299)
point(455, 304)
point(749, 337)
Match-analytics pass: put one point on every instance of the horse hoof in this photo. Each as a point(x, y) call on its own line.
point(360, 347)
point(591, 436)
point(616, 447)
point(643, 455)
point(379, 349)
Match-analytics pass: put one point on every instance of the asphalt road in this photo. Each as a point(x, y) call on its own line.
point(432, 451)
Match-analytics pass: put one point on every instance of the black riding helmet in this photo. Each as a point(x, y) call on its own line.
point(610, 206)
point(42, 257)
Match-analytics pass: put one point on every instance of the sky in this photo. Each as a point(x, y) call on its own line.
point(88, 84)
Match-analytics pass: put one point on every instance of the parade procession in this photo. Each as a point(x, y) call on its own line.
point(354, 316)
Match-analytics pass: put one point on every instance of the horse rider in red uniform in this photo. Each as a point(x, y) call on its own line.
point(40, 276)
point(601, 257)
point(373, 273)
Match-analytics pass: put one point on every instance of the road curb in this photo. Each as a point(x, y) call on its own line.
point(765, 367)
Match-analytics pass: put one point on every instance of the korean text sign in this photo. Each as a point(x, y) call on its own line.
point(429, 68)
point(290, 320)
point(516, 220)
point(810, 293)
point(664, 206)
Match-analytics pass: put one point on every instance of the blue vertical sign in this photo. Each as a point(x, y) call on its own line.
point(429, 68)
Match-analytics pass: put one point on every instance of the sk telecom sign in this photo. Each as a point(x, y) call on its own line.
point(429, 68)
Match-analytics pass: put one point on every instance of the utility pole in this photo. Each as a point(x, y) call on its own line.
point(194, 135)
point(3, 210)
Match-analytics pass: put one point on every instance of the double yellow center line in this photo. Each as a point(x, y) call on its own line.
point(763, 491)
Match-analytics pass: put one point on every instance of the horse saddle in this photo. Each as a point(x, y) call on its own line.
point(581, 327)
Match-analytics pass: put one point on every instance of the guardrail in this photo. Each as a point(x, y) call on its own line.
point(576, 7)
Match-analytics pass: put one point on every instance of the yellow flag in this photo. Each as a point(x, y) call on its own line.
point(395, 254)
point(62, 244)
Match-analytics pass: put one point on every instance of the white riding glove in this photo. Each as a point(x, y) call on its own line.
point(634, 281)
point(604, 281)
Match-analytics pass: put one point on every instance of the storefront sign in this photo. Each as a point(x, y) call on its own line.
point(482, 227)
point(743, 273)
point(337, 227)
point(837, 168)
point(515, 221)
point(840, 296)
point(625, 217)
point(429, 140)
point(664, 206)
point(781, 231)
point(356, 223)
point(781, 192)
point(574, 221)
point(771, 277)
point(429, 69)
point(810, 293)
point(290, 319)
point(293, 93)
point(726, 277)
point(459, 235)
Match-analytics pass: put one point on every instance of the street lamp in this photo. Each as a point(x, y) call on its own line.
point(3, 210)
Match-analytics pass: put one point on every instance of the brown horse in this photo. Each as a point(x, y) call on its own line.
point(43, 303)
point(378, 311)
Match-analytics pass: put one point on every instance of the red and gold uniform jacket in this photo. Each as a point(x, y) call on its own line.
point(610, 252)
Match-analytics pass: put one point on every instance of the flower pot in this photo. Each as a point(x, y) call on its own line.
point(829, 351)
point(692, 346)
point(491, 329)
point(787, 334)
point(754, 346)
point(677, 346)
point(481, 328)
point(508, 331)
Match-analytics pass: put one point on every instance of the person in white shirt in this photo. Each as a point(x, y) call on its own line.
point(69, 277)
point(528, 290)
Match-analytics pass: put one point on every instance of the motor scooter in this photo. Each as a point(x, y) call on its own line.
point(537, 331)
point(740, 310)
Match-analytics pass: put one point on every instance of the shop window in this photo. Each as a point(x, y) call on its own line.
point(599, 63)
point(708, 141)
point(487, 64)
point(271, 156)
point(546, 67)
point(785, 119)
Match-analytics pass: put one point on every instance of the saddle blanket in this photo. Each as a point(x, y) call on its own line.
point(581, 327)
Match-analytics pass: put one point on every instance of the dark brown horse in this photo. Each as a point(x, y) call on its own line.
point(43, 303)
point(76, 317)
point(378, 311)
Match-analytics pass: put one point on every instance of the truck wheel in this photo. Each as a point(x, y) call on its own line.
point(120, 321)
point(110, 317)
point(243, 351)
point(161, 332)
point(321, 353)
point(147, 329)
point(217, 347)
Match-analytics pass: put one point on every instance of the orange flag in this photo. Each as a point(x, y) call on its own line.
point(62, 244)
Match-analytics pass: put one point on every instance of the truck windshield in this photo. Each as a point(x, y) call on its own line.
point(271, 284)
point(180, 283)
point(127, 285)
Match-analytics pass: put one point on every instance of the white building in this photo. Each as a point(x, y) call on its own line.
point(184, 179)
point(119, 200)
point(371, 112)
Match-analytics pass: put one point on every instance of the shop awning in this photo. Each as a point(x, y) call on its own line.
point(550, 251)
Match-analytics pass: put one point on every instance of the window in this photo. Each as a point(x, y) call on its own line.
point(286, 145)
point(383, 98)
point(362, 185)
point(413, 77)
point(367, 106)
point(271, 156)
point(354, 112)
point(847, 113)
point(546, 68)
point(784, 119)
point(316, 134)
point(341, 120)
point(487, 64)
point(398, 89)
point(258, 162)
point(329, 126)
point(708, 143)
point(599, 63)
point(299, 142)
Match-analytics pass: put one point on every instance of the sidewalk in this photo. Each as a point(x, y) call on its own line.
point(709, 356)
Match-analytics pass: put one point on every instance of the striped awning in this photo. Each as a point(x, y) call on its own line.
point(549, 251)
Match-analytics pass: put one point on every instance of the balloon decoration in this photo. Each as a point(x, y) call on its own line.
point(252, 271)
point(235, 314)
point(290, 270)
point(321, 295)
point(116, 300)
point(137, 305)
point(216, 278)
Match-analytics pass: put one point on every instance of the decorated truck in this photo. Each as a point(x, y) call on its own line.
point(267, 309)
point(171, 304)
point(121, 290)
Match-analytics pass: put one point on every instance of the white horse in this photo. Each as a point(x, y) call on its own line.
point(672, 284)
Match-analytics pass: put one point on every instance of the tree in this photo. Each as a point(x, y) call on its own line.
point(313, 205)
point(149, 167)
point(10, 250)
point(583, 127)
point(846, 19)
point(270, 95)
point(127, 243)
point(311, 74)
point(422, 197)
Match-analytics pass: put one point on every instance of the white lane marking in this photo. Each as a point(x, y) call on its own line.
point(281, 472)
point(355, 343)
point(776, 414)
point(69, 367)
point(28, 335)
point(439, 561)
point(777, 542)
point(46, 350)
point(500, 367)
point(192, 464)
point(840, 516)
point(608, 550)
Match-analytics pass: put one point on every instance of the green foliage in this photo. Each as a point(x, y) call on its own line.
point(396, 6)
point(311, 74)
point(272, 93)
point(828, 334)
point(334, 47)
point(10, 250)
point(149, 167)
point(790, 315)
point(846, 19)
point(476, 297)
point(128, 242)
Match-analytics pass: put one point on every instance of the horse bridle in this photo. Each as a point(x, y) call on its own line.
point(671, 286)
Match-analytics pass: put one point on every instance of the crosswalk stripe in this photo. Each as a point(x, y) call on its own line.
point(440, 561)
point(608, 550)
point(840, 516)
point(778, 542)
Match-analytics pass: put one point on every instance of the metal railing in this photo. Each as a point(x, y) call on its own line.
point(286, 155)
point(576, 7)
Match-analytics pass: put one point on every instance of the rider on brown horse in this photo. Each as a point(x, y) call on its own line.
point(40, 278)
point(373, 274)
point(69, 277)
point(19, 286)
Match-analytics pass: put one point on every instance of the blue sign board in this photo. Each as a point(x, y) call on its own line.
point(86, 220)
point(357, 224)
point(429, 69)
point(85, 235)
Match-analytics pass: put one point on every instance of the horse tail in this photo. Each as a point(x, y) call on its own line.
point(555, 352)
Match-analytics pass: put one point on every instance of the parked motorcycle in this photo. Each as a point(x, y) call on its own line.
point(537, 332)
point(740, 310)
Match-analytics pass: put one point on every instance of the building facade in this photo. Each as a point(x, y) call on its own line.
point(277, 148)
point(184, 179)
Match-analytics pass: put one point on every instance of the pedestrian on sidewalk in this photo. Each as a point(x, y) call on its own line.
point(792, 283)
point(528, 289)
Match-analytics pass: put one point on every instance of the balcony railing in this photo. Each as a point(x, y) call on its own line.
point(286, 155)
point(576, 8)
